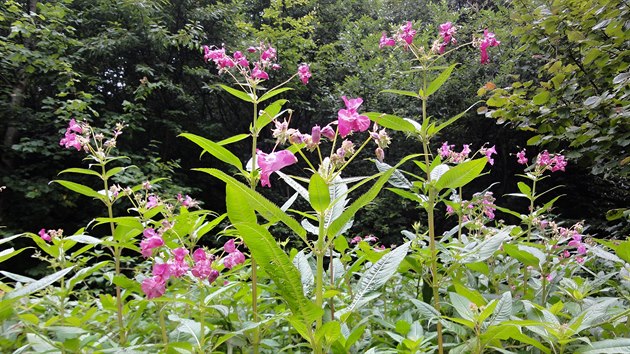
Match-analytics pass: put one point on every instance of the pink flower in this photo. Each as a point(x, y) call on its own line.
point(268, 54)
point(180, 254)
point(579, 259)
point(152, 203)
point(558, 163)
point(349, 120)
point(229, 246)
point(259, 74)
point(147, 245)
point(275, 67)
point(214, 274)
point(445, 150)
point(386, 41)
point(270, 163)
point(406, 34)
point(450, 210)
point(71, 140)
point(45, 235)
point(447, 30)
point(177, 268)
point(74, 127)
point(522, 159)
point(233, 259)
point(489, 152)
point(370, 238)
point(316, 134)
point(328, 132)
point(549, 277)
point(153, 287)
point(355, 240)
point(202, 269)
point(199, 255)
point(161, 270)
point(251, 50)
point(488, 40)
point(240, 59)
point(380, 154)
point(304, 72)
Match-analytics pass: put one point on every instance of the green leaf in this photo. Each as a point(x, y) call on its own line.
point(375, 277)
point(402, 93)
point(81, 189)
point(215, 150)
point(391, 122)
point(272, 93)
point(83, 171)
point(525, 189)
point(37, 285)
point(503, 310)
point(269, 114)
point(612, 346)
point(541, 98)
point(462, 174)
point(319, 194)
point(521, 255)
point(84, 239)
point(238, 93)
point(329, 332)
point(9, 252)
point(471, 294)
point(451, 120)
point(239, 210)
point(272, 259)
point(84, 273)
point(440, 80)
point(267, 209)
point(462, 305)
point(233, 139)
point(113, 172)
point(487, 248)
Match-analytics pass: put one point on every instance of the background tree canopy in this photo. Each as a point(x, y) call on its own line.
point(563, 84)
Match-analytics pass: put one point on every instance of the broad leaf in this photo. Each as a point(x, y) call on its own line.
point(272, 93)
point(612, 346)
point(402, 93)
point(391, 122)
point(81, 189)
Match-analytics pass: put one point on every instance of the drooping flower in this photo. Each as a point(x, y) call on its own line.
point(489, 152)
point(152, 202)
point(488, 40)
point(316, 134)
point(447, 32)
point(233, 259)
point(521, 156)
point(153, 287)
point(445, 150)
point(304, 73)
point(229, 246)
point(328, 132)
point(386, 41)
point(269, 54)
point(552, 162)
point(406, 34)
point(162, 270)
point(349, 119)
point(380, 154)
point(152, 240)
point(257, 73)
point(45, 235)
point(270, 163)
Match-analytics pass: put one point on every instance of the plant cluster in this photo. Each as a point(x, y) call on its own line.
point(484, 286)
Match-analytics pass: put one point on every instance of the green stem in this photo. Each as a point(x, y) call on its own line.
point(529, 234)
point(163, 328)
point(117, 253)
point(256, 341)
point(431, 223)
point(202, 316)
point(319, 277)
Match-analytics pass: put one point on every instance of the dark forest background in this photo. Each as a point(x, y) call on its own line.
point(561, 72)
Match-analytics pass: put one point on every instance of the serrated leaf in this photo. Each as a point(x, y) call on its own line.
point(376, 276)
point(81, 189)
point(397, 179)
point(279, 268)
point(502, 311)
point(38, 284)
point(391, 122)
point(402, 93)
point(238, 93)
point(440, 80)
point(487, 248)
point(306, 272)
point(266, 208)
point(319, 194)
point(462, 174)
point(215, 150)
point(273, 93)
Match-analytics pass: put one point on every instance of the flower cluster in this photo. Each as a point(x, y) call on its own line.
point(234, 257)
point(481, 204)
point(449, 155)
point(544, 161)
point(74, 138)
point(179, 264)
point(447, 32)
point(48, 235)
point(382, 141)
point(253, 71)
point(404, 36)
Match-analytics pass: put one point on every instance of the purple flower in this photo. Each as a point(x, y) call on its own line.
point(328, 132)
point(489, 152)
point(152, 203)
point(270, 163)
point(445, 150)
point(386, 41)
point(304, 72)
point(406, 34)
point(349, 120)
point(229, 246)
